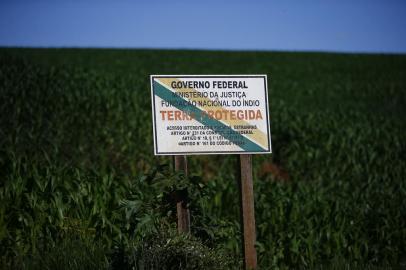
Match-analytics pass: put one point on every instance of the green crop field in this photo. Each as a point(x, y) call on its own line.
point(80, 187)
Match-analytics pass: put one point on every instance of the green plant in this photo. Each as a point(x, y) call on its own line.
point(169, 250)
point(69, 253)
point(76, 156)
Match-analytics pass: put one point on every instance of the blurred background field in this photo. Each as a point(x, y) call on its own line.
point(77, 166)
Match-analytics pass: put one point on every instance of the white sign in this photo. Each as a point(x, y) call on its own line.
point(210, 114)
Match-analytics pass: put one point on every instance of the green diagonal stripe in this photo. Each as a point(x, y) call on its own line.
point(223, 130)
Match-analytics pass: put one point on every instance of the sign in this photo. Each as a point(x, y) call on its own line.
point(210, 114)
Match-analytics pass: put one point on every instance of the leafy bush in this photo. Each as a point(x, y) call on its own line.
point(169, 250)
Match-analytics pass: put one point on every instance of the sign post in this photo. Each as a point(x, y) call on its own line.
point(246, 188)
point(213, 114)
point(182, 211)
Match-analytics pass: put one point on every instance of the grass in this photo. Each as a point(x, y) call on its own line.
point(76, 157)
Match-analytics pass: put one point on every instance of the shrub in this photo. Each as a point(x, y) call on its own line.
point(171, 250)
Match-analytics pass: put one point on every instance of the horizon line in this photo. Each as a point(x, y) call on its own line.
point(366, 52)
